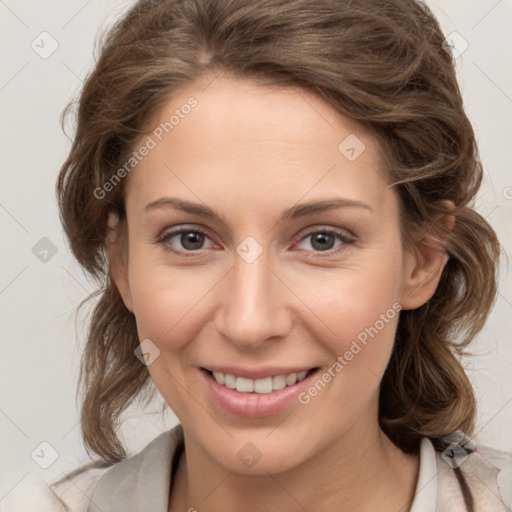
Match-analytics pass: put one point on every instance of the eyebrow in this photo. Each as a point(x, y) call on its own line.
point(296, 211)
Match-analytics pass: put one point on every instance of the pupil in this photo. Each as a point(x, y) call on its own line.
point(194, 239)
point(321, 237)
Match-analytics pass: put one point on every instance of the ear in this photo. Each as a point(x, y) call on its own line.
point(117, 256)
point(426, 261)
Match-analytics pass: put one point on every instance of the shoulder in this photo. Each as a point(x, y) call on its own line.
point(88, 489)
point(485, 472)
point(145, 476)
point(34, 494)
point(502, 461)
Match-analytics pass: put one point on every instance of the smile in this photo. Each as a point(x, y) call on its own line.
point(255, 392)
point(262, 386)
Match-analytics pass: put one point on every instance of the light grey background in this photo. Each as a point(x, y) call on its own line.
point(41, 350)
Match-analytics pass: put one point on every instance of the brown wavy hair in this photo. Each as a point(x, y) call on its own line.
point(379, 62)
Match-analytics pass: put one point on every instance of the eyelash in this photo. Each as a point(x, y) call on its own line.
point(341, 236)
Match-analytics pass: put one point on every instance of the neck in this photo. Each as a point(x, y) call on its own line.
point(362, 471)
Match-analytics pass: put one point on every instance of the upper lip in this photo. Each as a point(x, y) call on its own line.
point(258, 373)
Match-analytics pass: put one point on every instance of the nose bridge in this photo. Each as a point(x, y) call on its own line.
point(253, 309)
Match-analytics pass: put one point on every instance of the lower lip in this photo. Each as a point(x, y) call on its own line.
point(255, 405)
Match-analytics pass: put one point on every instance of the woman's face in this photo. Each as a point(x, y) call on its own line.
point(290, 260)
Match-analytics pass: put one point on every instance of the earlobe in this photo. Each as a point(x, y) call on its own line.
point(426, 262)
point(117, 258)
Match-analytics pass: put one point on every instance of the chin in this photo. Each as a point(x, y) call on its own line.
point(271, 461)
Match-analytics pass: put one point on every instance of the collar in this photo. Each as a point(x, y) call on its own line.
point(425, 495)
point(142, 482)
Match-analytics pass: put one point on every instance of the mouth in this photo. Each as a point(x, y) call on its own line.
point(241, 396)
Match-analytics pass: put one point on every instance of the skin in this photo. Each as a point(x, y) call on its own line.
point(249, 152)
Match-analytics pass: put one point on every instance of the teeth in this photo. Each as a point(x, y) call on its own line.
point(244, 385)
point(262, 386)
point(291, 379)
point(219, 377)
point(230, 381)
point(279, 382)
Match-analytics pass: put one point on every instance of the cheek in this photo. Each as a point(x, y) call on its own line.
point(362, 322)
point(350, 301)
point(167, 301)
point(359, 309)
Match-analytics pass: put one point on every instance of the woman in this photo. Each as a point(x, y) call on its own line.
point(276, 199)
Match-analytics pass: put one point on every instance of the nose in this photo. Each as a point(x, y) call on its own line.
point(253, 306)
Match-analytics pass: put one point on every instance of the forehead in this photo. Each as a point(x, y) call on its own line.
point(229, 136)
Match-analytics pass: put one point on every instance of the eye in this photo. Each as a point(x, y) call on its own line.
point(190, 240)
point(324, 240)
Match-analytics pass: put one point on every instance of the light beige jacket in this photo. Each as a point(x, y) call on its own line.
point(141, 483)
